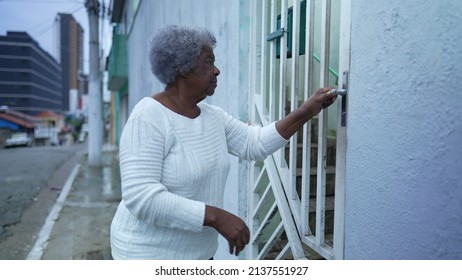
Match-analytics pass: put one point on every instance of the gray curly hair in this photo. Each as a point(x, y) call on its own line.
point(175, 49)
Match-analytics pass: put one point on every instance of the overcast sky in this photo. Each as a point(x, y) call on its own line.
point(36, 17)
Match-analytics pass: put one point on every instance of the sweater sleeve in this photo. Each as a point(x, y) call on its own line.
point(252, 142)
point(141, 149)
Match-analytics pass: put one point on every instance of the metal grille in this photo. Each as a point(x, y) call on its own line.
point(296, 202)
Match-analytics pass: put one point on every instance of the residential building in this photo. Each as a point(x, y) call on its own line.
point(377, 176)
point(49, 126)
point(30, 78)
point(13, 121)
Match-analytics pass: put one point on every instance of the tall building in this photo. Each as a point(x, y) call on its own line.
point(30, 78)
point(69, 52)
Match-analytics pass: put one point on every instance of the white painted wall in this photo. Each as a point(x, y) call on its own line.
point(222, 17)
point(404, 166)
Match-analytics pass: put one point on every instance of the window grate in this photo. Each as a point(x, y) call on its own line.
point(302, 185)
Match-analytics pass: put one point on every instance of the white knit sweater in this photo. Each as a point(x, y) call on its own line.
point(171, 167)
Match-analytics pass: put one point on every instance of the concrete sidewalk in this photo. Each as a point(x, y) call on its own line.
point(81, 230)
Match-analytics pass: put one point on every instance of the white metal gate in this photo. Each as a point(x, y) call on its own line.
point(296, 198)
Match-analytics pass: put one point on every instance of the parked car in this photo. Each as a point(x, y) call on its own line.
point(18, 139)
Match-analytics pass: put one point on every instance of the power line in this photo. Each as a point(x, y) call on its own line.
point(39, 30)
point(39, 26)
point(44, 1)
point(49, 28)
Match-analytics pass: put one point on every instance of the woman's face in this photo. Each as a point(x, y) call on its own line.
point(204, 76)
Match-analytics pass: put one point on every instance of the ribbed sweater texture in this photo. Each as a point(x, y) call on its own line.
point(171, 167)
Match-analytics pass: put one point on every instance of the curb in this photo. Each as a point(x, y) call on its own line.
point(37, 250)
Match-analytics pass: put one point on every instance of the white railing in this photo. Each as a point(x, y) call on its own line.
point(287, 218)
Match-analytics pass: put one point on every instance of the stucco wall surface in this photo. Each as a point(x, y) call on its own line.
point(404, 166)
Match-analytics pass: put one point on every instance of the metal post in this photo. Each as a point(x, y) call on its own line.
point(306, 155)
point(95, 119)
point(340, 164)
point(322, 134)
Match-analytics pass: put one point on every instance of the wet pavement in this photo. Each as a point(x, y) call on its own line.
point(24, 173)
point(31, 179)
point(81, 230)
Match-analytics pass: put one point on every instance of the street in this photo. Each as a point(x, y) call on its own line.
point(31, 179)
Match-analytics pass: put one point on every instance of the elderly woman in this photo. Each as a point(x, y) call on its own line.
point(174, 156)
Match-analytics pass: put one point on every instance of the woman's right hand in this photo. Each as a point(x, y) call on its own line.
point(231, 227)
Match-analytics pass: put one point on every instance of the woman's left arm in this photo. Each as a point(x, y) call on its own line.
point(256, 143)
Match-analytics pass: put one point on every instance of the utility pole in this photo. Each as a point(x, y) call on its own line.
point(95, 108)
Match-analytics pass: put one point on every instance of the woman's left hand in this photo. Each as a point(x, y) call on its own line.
point(320, 100)
point(310, 108)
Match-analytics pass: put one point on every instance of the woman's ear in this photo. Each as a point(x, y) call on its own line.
point(181, 73)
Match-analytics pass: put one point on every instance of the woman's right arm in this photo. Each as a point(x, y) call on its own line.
point(141, 160)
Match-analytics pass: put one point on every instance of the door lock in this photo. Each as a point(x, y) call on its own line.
point(341, 92)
